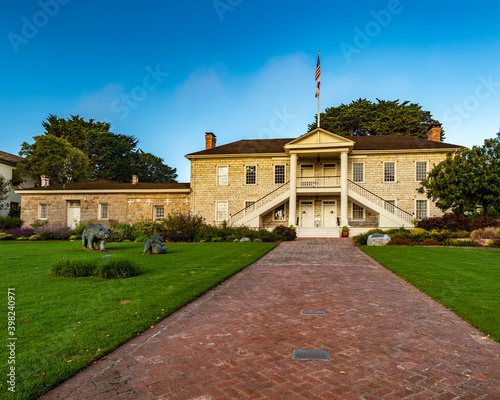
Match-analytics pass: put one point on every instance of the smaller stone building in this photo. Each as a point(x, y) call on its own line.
point(103, 202)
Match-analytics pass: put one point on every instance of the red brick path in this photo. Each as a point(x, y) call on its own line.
point(385, 339)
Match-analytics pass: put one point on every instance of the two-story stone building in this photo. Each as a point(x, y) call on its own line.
point(318, 182)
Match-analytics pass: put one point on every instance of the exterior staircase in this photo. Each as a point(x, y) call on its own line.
point(333, 232)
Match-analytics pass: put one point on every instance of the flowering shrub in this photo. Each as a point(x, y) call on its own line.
point(400, 241)
point(287, 232)
point(19, 232)
point(183, 222)
point(54, 232)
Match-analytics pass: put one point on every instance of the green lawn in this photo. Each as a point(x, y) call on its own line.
point(467, 281)
point(63, 324)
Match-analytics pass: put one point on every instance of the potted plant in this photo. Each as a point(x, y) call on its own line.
point(345, 231)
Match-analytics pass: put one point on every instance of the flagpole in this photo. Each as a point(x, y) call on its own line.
point(318, 111)
point(318, 74)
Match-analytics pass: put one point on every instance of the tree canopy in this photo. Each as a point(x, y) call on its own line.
point(109, 155)
point(4, 190)
point(365, 118)
point(466, 179)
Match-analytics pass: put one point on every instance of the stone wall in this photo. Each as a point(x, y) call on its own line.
point(122, 208)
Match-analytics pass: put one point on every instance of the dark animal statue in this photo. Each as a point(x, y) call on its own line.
point(94, 237)
point(154, 245)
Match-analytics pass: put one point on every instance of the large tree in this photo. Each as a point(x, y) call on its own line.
point(4, 190)
point(111, 156)
point(466, 179)
point(55, 158)
point(363, 117)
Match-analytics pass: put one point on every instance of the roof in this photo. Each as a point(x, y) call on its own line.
point(361, 143)
point(107, 185)
point(9, 158)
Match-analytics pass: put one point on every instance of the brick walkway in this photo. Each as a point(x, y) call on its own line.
point(385, 339)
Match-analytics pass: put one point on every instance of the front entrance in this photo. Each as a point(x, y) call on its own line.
point(329, 213)
point(73, 213)
point(306, 214)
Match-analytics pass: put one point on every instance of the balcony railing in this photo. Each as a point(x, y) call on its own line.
point(318, 182)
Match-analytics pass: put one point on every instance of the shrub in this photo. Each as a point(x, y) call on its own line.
point(183, 221)
point(34, 237)
point(429, 242)
point(5, 236)
point(79, 228)
point(460, 234)
point(400, 241)
point(485, 233)
point(452, 222)
point(39, 224)
point(362, 238)
point(116, 268)
point(10, 222)
point(484, 222)
point(463, 243)
point(288, 233)
point(148, 229)
point(54, 232)
point(121, 232)
point(141, 238)
point(72, 268)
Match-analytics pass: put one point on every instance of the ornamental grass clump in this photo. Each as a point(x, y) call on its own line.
point(116, 268)
point(73, 268)
point(107, 268)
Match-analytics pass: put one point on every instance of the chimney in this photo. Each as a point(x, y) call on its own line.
point(44, 180)
point(434, 133)
point(210, 140)
point(135, 179)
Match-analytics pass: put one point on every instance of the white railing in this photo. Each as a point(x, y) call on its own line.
point(379, 201)
point(318, 181)
point(236, 217)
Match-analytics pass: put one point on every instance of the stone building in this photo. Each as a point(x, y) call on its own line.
point(318, 182)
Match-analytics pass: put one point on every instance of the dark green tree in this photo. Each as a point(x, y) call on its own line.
point(55, 158)
point(365, 118)
point(112, 156)
point(4, 190)
point(466, 179)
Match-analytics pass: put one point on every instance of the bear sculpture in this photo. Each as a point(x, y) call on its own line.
point(94, 237)
point(154, 245)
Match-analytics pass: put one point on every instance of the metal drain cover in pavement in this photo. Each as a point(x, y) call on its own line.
point(310, 355)
point(312, 313)
point(314, 291)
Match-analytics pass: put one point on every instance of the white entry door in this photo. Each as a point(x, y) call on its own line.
point(73, 213)
point(306, 214)
point(329, 213)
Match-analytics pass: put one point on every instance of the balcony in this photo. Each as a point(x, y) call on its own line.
point(318, 185)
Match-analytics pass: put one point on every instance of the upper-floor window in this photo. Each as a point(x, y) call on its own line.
point(43, 211)
point(358, 172)
point(251, 175)
point(222, 174)
point(158, 212)
point(103, 210)
point(279, 174)
point(420, 171)
point(390, 172)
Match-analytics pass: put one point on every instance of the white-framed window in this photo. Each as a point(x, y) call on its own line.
point(389, 205)
point(420, 171)
point(421, 209)
point(358, 172)
point(158, 212)
point(222, 175)
point(221, 211)
point(279, 174)
point(43, 211)
point(279, 213)
point(251, 175)
point(390, 172)
point(358, 212)
point(103, 211)
point(249, 207)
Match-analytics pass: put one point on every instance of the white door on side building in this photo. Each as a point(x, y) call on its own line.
point(306, 214)
point(73, 213)
point(329, 213)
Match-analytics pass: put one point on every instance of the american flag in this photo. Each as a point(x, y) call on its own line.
point(318, 73)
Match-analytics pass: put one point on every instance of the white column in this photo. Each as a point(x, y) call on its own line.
point(292, 207)
point(343, 188)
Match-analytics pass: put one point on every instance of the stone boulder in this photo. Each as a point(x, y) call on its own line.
point(379, 239)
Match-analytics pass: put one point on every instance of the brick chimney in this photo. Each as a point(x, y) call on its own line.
point(135, 179)
point(210, 140)
point(434, 133)
point(44, 181)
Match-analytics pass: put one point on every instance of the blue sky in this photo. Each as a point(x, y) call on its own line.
point(169, 71)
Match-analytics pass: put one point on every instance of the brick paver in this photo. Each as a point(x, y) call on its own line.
point(385, 339)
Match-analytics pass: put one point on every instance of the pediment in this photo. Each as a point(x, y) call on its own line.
point(319, 138)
